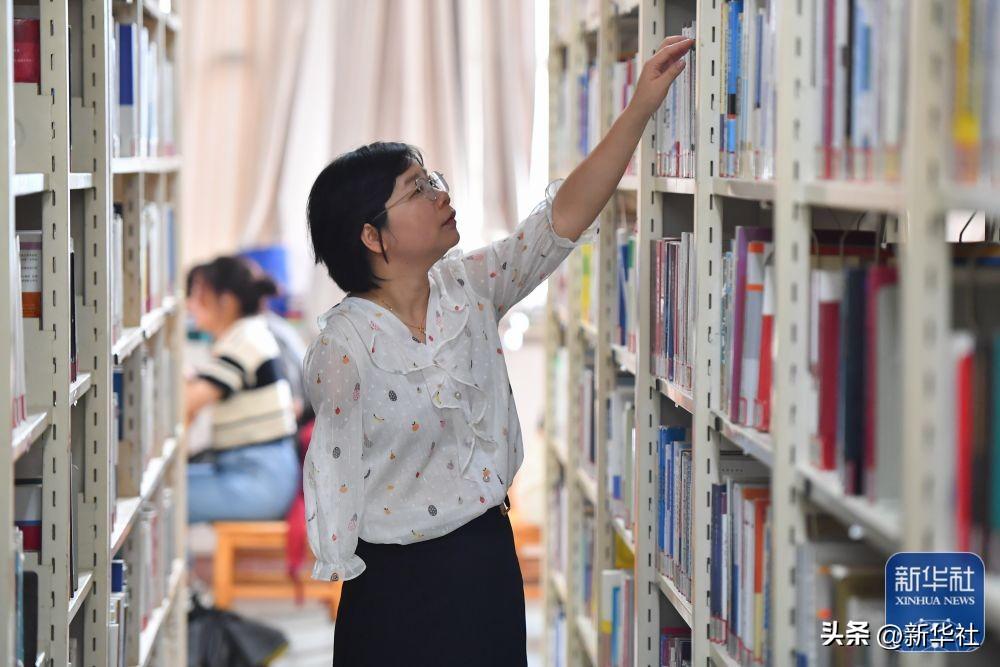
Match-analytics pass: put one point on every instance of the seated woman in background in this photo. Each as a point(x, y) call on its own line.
point(253, 470)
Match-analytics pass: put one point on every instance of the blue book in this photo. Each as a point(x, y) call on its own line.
point(128, 81)
point(661, 506)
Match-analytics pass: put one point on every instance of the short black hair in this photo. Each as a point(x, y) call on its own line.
point(349, 192)
point(237, 276)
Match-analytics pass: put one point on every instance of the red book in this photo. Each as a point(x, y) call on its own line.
point(830, 290)
point(762, 409)
point(27, 51)
point(964, 348)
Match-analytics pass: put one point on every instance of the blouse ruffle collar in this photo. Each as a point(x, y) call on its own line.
point(448, 360)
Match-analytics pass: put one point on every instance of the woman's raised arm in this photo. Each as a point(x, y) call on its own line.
point(589, 187)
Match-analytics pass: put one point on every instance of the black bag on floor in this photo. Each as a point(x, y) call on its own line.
point(218, 638)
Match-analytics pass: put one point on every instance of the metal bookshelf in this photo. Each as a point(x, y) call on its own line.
point(921, 199)
point(71, 185)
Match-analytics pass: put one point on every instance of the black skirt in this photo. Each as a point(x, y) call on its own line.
point(456, 600)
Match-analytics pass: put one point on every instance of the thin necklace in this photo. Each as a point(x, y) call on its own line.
point(419, 328)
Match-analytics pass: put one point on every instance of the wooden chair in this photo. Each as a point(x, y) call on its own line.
point(249, 563)
point(528, 543)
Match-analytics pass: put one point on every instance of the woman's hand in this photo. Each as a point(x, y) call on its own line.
point(659, 72)
point(589, 186)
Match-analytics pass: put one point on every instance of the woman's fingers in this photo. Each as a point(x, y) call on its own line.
point(672, 39)
point(671, 51)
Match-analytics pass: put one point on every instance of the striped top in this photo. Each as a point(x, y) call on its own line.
point(256, 403)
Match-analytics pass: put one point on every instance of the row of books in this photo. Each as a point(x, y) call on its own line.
point(560, 398)
point(157, 260)
point(142, 124)
point(740, 570)
point(676, 129)
point(675, 647)
point(157, 254)
point(26, 602)
point(26, 273)
point(747, 327)
point(558, 636)
point(585, 433)
point(974, 27)
point(588, 109)
point(155, 535)
point(675, 475)
point(620, 440)
point(856, 367)
point(156, 403)
point(859, 76)
point(747, 84)
point(589, 282)
point(838, 580)
point(972, 464)
point(558, 557)
point(624, 74)
point(674, 310)
point(616, 617)
point(588, 552)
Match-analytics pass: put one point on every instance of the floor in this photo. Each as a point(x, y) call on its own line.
point(310, 631)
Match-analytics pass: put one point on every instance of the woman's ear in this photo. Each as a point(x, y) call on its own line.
point(230, 305)
point(371, 238)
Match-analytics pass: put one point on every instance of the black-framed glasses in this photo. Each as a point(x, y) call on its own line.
point(430, 186)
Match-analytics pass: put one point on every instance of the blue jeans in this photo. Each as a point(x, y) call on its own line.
point(254, 483)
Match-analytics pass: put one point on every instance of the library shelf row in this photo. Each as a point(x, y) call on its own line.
point(127, 509)
point(681, 398)
point(149, 635)
point(146, 165)
point(676, 598)
point(28, 431)
point(149, 326)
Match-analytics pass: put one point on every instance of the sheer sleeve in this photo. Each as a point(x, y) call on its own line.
point(333, 476)
point(507, 270)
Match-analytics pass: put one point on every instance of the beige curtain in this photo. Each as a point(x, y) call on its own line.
point(290, 84)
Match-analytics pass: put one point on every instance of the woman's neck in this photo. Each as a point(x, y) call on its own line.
point(223, 325)
point(406, 296)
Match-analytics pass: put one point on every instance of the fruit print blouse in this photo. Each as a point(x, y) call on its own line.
point(414, 440)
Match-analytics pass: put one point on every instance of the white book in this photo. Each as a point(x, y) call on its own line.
point(18, 380)
point(144, 91)
point(889, 415)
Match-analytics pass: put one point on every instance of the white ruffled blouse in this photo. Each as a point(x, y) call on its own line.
point(413, 440)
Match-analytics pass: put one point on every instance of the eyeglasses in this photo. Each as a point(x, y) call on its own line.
point(430, 186)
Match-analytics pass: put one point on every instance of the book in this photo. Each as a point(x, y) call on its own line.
point(28, 512)
point(127, 45)
point(18, 378)
point(744, 237)
point(27, 50)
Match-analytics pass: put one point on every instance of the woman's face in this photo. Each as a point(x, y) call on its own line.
point(206, 306)
point(419, 231)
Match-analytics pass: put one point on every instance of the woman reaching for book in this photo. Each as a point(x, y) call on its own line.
point(417, 438)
